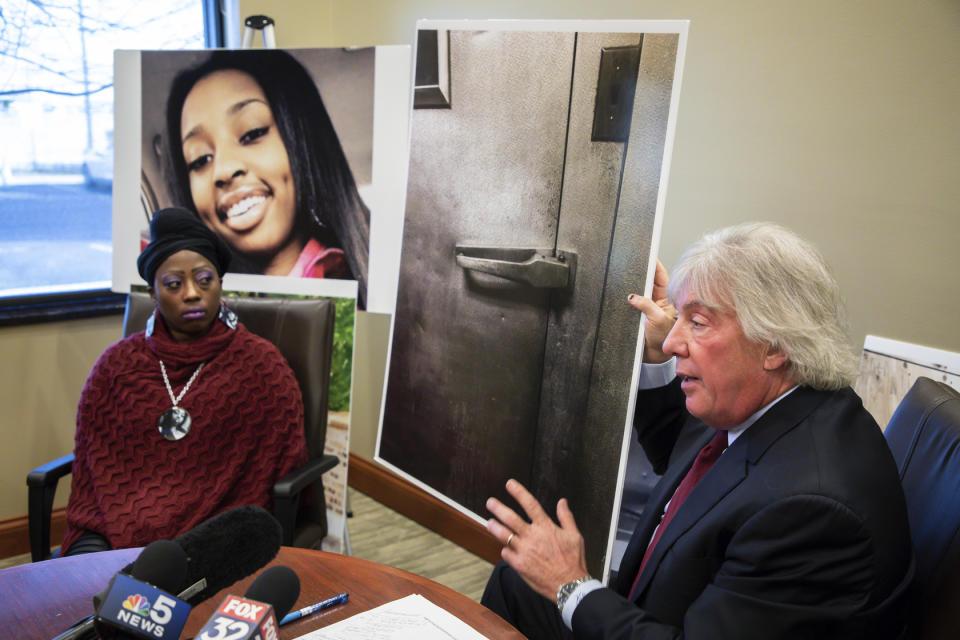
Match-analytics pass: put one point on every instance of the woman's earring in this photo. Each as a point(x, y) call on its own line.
point(227, 316)
point(150, 320)
point(316, 218)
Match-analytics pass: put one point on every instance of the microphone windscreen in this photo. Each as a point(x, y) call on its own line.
point(278, 586)
point(229, 547)
point(162, 564)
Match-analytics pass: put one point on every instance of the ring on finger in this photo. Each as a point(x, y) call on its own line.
point(509, 538)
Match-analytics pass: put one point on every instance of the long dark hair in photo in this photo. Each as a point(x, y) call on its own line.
point(324, 184)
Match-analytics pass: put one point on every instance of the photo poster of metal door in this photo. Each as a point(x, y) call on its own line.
point(247, 175)
point(539, 155)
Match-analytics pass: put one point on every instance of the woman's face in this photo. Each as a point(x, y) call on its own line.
point(186, 290)
point(239, 170)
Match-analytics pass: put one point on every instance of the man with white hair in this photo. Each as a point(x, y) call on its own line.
point(780, 512)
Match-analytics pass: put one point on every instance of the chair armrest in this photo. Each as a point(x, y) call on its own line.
point(41, 488)
point(286, 491)
point(51, 472)
point(295, 481)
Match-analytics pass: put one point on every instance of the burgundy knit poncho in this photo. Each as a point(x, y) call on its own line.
point(133, 486)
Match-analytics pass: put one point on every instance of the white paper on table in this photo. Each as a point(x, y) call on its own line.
point(413, 617)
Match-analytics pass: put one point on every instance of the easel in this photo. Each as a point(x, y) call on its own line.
point(265, 25)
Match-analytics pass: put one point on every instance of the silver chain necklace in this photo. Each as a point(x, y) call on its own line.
point(175, 422)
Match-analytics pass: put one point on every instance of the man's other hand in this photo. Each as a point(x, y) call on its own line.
point(658, 316)
point(545, 555)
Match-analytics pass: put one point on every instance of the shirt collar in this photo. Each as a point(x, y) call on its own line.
point(737, 431)
point(658, 375)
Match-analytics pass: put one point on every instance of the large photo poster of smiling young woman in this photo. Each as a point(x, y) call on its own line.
point(275, 151)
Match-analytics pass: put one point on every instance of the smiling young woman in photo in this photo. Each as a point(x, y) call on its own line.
point(251, 149)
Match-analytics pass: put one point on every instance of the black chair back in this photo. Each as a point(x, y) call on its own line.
point(302, 330)
point(924, 435)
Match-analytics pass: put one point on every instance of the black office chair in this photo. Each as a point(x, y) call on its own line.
point(302, 329)
point(924, 435)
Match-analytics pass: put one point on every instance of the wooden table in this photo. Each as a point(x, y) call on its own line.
point(40, 600)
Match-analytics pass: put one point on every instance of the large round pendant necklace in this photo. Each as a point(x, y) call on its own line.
point(175, 422)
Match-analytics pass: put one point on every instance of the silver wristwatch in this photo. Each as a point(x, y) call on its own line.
point(563, 593)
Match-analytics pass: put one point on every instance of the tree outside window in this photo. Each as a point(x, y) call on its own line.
point(56, 127)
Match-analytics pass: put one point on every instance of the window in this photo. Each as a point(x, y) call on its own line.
point(56, 159)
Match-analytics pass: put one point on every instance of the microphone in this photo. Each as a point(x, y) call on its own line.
point(140, 605)
point(226, 548)
point(220, 551)
point(254, 616)
point(279, 586)
point(161, 564)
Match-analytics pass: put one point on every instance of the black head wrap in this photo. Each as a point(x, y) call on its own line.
point(176, 229)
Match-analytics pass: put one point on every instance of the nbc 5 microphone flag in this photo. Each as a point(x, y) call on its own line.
point(141, 610)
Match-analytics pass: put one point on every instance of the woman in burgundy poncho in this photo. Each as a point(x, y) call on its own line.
point(192, 416)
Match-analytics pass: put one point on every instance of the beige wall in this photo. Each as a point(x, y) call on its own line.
point(43, 369)
point(836, 118)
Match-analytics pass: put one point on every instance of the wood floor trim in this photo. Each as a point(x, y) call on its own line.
point(402, 496)
point(15, 533)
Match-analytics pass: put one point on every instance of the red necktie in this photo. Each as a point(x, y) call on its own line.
point(705, 459)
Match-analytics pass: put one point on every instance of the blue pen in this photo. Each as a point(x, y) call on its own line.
point(313, 608)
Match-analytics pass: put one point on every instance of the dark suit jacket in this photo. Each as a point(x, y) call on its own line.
point(798, 531)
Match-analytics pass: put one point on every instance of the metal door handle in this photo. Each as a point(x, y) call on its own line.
point(544, 268)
